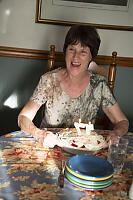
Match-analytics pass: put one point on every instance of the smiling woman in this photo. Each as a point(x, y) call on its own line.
point(72, 92)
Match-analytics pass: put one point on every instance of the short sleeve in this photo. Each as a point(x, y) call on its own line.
point(41, 92)
point(108, 98)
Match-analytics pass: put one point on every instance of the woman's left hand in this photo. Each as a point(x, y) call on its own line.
point(113, 137)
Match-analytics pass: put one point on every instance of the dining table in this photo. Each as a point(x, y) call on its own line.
point(28, 171)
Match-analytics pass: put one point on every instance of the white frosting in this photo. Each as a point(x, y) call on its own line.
point(86, 142)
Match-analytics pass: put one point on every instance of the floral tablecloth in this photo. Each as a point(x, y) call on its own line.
point(30, 172)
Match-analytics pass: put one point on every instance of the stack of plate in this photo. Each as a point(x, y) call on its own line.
point(89, 172)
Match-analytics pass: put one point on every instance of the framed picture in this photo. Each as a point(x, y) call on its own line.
point(103, 14)
point(121, 5)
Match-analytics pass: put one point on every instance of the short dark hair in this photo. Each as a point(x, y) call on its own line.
point(86, 35)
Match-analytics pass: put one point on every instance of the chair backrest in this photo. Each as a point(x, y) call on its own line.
point(56, 59)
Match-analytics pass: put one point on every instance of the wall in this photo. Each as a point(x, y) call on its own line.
point(124, 92)
point(18, 29)
point(18, 78)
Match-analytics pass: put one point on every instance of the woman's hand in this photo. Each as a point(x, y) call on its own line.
point(50, 140)
point(113, 137)
point(39, 135)
point(46, 138)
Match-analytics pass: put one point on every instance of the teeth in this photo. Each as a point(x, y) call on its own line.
point(76, 63)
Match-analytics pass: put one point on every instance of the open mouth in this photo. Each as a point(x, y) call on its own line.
point(75, 64)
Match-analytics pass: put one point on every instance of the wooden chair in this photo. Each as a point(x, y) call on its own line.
point(56, 59)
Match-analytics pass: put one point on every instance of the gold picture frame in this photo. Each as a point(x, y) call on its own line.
point(45, 20)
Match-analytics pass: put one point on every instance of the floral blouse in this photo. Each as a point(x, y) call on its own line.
point(62, 111)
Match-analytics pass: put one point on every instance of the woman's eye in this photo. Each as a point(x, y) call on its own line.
point(83, 52)
point(71, 49)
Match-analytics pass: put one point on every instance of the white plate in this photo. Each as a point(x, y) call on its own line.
point(87, 144)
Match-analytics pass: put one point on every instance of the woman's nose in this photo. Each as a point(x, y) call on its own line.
point(76, 54)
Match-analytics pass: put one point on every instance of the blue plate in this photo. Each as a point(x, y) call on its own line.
point(89, 167)
point(86, 182)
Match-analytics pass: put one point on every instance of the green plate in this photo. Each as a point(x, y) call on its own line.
point(86, 182)
point(88, 186)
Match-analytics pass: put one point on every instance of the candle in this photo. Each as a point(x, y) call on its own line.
point(76, 124)
point(89, 128)
point(81, 125)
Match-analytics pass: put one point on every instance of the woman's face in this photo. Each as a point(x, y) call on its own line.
point(77, 58)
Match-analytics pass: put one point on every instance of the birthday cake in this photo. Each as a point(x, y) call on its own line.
point(69, 138)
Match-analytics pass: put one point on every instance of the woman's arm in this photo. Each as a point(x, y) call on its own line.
point(25, 121)
point(118, 119)
point(44, 137)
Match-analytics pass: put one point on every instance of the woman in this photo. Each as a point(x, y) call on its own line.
point(73, 92)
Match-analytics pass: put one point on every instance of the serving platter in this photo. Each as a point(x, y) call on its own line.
point(73, 143)
point(79, 151)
